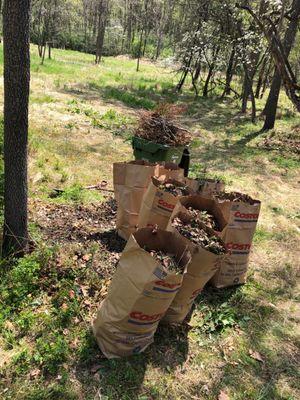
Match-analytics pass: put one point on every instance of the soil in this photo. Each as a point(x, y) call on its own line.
point(80, 225)
point(195, 233)
point(205, 217)
point(174, 189)
point(169, 261)
point(235, 197)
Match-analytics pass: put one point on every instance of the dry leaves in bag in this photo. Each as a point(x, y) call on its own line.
point(193, 230)
point(141, 291)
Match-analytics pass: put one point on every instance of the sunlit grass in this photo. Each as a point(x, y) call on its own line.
point(81, 120)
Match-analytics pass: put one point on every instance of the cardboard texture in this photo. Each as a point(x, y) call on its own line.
point(141, 291)
point(203, 266)
point(205, 188)
point(238, 236)
point(157, 205)
point(131, 180)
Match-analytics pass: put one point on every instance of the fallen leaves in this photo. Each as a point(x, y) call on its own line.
point(223, 396)
point(256, 355)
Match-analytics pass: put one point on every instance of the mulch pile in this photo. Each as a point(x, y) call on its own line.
point(193, 231)
point(205, 217)
point(158, 126)
point(175, 189)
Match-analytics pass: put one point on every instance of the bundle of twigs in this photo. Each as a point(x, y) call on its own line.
point(159, 126)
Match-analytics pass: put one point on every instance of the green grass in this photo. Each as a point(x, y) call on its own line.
point(81, 119)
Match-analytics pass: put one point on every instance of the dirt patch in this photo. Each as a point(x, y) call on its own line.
point(62, 223)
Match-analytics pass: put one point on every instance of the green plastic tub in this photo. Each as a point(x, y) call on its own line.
point(152, 152)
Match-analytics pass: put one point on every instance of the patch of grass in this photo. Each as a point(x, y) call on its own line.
point(127, 98)
point(287, 161)
point(47, 350)
point(42, 99)
point(77, 194)
point(197, 171)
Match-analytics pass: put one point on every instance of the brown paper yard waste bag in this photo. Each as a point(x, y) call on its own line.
point(241, 213)
point(239, 210)
point(131, 180)
point(205, 262)
point(171, 171)
point(141, 291)
point(159, 201)
point(206, 187)
point(237, 228)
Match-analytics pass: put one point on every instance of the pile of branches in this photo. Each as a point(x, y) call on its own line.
point(159, 126)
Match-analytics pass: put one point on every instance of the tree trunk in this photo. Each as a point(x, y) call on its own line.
point(159, 45)
point(246, 94)
point(102, 19)
point(272, 101)
point(229, 74)
point(197, 71)
point(207, 81)
point(139, 51)
point(44, 53)
point(49, 50)
point(260, 78)
point(16, 18)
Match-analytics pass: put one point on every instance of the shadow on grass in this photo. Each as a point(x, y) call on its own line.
point(277, 363)
point(139, 96)
point(123, 378)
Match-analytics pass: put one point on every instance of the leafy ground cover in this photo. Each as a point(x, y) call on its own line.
point(241, 343)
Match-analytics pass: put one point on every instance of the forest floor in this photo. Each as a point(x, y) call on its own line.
point(242, 343)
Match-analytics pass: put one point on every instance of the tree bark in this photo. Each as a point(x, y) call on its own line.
point(16, 19)
point(289, 37)
point(207, 81)
point(102, 20)
point(139, 51)
point(229, 73)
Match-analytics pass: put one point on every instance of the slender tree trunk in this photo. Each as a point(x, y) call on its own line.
point(16, 18)
point(266, 80)
point(139, 51)
point(44, 53)
point(246, 93)
point(145, 44)
point(159, 45)
point(207, 81)
point(49, 50)
point(289, 37)
point(260, 78)
point(102, 19)
point(197, 71)
point(229, 74)
point(185, 72)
